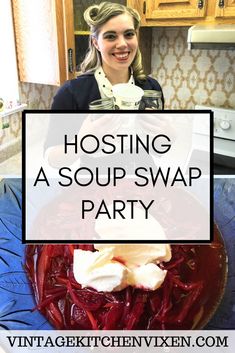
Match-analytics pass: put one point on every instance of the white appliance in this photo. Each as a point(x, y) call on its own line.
point(209, 36)
point(224, 135)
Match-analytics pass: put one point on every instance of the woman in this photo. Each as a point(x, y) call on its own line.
point(113, 57)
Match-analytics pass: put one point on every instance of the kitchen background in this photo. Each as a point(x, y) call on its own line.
point(187, 78)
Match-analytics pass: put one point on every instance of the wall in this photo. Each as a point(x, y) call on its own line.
point(192, 77)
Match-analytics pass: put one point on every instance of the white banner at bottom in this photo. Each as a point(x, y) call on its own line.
point(117, 341)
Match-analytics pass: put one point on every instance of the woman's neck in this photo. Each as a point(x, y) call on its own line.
point(115, 77)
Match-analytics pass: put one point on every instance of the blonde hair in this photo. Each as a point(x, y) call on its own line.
point(96, 16)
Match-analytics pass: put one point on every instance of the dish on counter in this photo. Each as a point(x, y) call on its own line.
point(187, 299)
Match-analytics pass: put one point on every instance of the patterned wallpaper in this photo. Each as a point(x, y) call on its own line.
point(192, 77)
point(37, 96)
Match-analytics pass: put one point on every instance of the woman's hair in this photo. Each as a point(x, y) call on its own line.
point(96, 16)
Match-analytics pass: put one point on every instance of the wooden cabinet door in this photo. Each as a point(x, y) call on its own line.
point(42, 40)
point(174, 9)
point(225, 8)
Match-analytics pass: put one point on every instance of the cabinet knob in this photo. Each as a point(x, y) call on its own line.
point(144, 7)
point(221, 3)
point(200, 4)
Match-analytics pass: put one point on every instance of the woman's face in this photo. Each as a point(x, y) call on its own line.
point(117, 43)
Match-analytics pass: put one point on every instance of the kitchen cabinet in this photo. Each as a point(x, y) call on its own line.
point(44, 40)
point(174, 9)
point(155, 13)
point(225, 9)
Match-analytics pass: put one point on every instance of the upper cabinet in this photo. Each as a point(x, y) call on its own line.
point(184, 12)
point(225, 8)
point(44, 40)
point(173, 9)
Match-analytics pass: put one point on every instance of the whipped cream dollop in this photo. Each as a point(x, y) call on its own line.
point(115, 266)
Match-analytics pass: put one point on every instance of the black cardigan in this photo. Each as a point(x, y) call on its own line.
point(78, 93)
